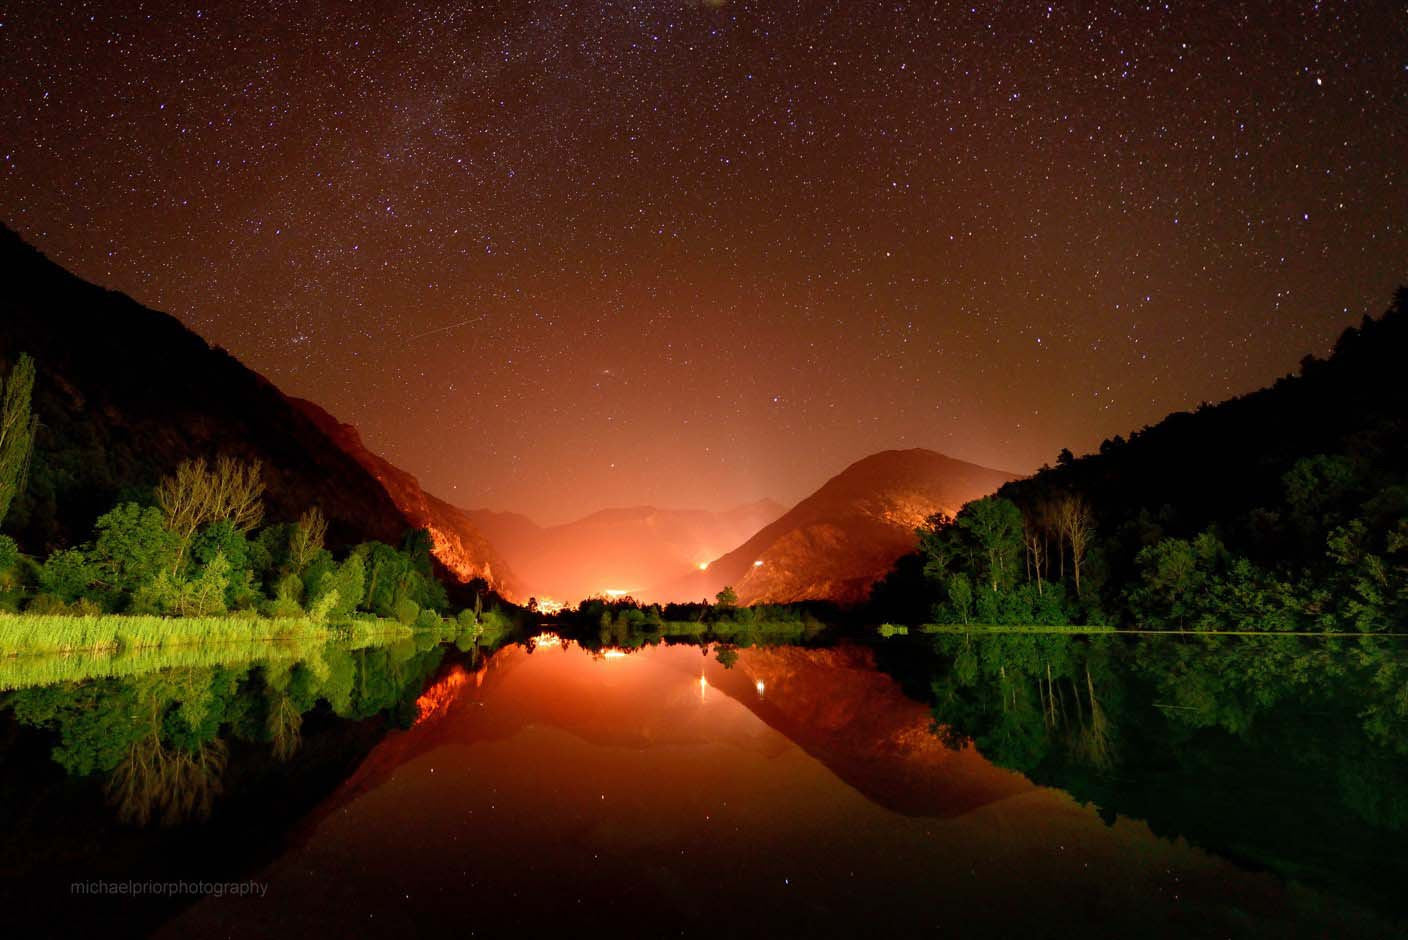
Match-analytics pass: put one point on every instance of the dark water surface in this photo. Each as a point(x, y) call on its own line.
point(1118, 788)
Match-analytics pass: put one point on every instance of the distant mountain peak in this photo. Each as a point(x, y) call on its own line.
point(629, 548)
point(838, 541)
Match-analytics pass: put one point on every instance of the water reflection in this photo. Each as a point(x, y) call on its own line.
point(159, 738)
point(1286, 753)
point(1117, 787)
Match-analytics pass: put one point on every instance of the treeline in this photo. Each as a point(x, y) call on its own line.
point(200, 548)
point(1286, 509)
point(626, 623)
point(198, 545)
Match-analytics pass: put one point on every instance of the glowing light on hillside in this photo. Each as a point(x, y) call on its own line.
point(615, 593)
point(759, 686)
point(547, 639)
point(758, 563)
point(437, 699)
point(546, 605)
point(703, 566)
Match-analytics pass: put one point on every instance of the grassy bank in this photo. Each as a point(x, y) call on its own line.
point(25, 634)
point(42, 669)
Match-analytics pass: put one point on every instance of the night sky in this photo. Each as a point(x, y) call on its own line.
point(555, 256)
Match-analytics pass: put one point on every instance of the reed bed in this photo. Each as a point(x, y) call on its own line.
point(43, 669)
point(64, 633)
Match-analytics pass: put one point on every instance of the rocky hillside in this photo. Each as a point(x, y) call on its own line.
point(456, 541)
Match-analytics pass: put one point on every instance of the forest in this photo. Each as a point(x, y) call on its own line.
point(197, 546)
point(1284, 510)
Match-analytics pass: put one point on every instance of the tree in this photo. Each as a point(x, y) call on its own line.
point(995, 524)
point(9, 553)
point(66, 574)
point(197, 495)
point(1174, 577)
point(960, 596)
point(937, 543)
point(205, 595)
point(1034, 541)
point(1076, 525)
point(306, 539)
point(133, 545)
point(17, 424)
point(727, 598)
point(344, 580)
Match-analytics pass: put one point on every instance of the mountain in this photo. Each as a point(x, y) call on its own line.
point(125, 393)
point(632, 549)
point(835, 543)
point(455, 540)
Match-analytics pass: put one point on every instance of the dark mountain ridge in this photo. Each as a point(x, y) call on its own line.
point(124, 393)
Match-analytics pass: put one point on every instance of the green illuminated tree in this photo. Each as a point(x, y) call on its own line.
point(17, 424)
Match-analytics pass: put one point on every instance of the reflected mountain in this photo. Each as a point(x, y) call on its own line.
point(1119, 787)
point(832, 703)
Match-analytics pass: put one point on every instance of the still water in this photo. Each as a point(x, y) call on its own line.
point(1025, 786)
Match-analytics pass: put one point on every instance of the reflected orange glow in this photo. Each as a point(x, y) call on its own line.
point(547, 639)
point(435, 701)
point(613, 654)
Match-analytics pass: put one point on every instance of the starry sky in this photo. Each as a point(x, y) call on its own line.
point(557, 255)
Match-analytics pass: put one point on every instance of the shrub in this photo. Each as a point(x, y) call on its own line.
point(66, 574)
point(324, 605)
point(47, 604)
point(9, 553)
point(407, 611)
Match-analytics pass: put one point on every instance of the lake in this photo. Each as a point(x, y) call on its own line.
point(1002, 786)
